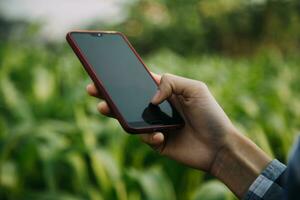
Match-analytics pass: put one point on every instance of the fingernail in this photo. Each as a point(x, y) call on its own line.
point(155, 97)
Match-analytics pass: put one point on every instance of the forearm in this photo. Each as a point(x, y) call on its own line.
point(238, 164)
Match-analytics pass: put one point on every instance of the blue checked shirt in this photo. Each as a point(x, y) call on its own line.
point(278, 182)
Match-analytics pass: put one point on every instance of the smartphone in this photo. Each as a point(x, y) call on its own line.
point(126, 84)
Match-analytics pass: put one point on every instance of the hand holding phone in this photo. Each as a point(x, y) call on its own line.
point(208, 141)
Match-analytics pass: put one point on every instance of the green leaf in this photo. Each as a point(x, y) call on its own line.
point(212, 190)
point(154, 183)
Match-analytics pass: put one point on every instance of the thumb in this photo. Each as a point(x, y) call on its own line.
point(171, 84)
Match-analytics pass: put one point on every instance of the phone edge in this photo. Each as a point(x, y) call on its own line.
point(98, 83)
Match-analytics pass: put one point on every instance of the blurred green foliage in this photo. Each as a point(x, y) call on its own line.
point(54, 144)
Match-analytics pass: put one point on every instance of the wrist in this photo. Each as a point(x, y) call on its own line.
point(238, 163)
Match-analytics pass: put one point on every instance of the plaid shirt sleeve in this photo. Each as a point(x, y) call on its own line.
point(269, 184)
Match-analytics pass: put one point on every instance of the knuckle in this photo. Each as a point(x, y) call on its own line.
point(166, 77)
point(166, 81)
point(202, 85)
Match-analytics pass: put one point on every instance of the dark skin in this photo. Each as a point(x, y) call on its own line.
point(209, 141)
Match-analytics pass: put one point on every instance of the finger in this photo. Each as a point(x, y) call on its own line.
point(171, 84)
point(156, 77)
point(153, 139)
point(104, 109)
point(92, 90)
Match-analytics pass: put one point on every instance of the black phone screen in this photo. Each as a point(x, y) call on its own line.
point(125, 79)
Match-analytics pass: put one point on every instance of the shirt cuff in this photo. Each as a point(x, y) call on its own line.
point(265, 181)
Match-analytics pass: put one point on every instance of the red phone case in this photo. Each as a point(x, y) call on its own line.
point(106, 96)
